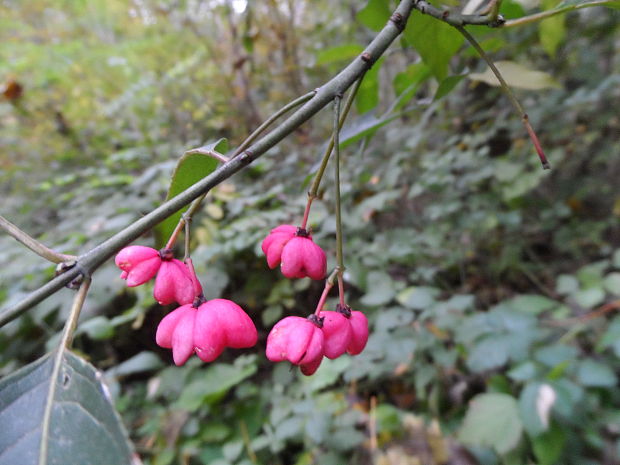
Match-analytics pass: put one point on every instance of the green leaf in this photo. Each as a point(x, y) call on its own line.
point(612, 283)
point(407, 82)
point(588, 298)
point(611, 338)
point(447, 85)
point(83, 425)
point(375, 14)
point(365, 125)
point(190, 169)
point(338, 53)
point(417, 297)
point(97, 328)
point(566, 284)
point(435, 41)
point(595, 374)
point(532, 303)
point(380, 289)
point(215, 382)
point(535, 404)
point(551, 30)
point(492, 420)
point(489, 353)
point(548, 446)
point(517, 75)
point(367, 96)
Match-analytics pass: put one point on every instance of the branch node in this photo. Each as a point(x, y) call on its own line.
point(397, 19)
point(366, 57)
point(499, 21)
point(445, 14)
point(246, 157)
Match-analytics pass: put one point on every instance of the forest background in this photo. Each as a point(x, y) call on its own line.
point(491, 285)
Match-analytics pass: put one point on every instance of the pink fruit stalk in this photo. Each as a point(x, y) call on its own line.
point(296, 252)
point(139, 264)
point(205, 330)
point(298, 340)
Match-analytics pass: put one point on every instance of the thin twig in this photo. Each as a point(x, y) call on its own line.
point(269, 121)
point(339, 253)
point(65, 343)
point(549, 13)
point(33, 244)
point(312, 193)
point(509, 94)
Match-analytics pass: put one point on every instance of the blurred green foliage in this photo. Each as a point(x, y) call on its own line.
point(488, 282)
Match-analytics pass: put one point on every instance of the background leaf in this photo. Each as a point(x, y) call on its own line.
point(492, 420)
point(517, 75)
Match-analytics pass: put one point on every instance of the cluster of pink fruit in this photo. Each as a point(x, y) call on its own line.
point(207, 327)
point(304, 341)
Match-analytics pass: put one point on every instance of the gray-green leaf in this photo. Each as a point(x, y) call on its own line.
point(82, 427)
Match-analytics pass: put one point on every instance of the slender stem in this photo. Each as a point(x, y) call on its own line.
point(312, 193)
point(285, 109)
point(511, 96)
point(549, 13)
point(65, 343)
point(329, 283)
point(91, 260)
point(341, 290)
point(188, 221)
point(339, 255)
point(184, 220)
point(33, 244)
point(330, 146)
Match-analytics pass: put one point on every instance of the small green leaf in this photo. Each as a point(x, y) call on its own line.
point(535, 404)
point(612, 283)
point(407, 83)
point(380, 289)
point(588, 298)
point(489, 353)
point(551, 30)
point(338, 53)
point(595, 374)
point(492, 420)
point(215, 383)
point(532, 304)
point(548, 446)
point(446, 86)
point(375, 14)
point(191, 168)
point(367, 96)
point(566, 284)
point(83, 425)
point(97, 328)
point(417, 297)
point(435, 41)
point(517, 75)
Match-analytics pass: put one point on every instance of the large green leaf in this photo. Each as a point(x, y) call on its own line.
point(492, 420)
point(435, 41)
point(191, 168)
point(71, 405)
point(375, 14)
point(552, 30)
